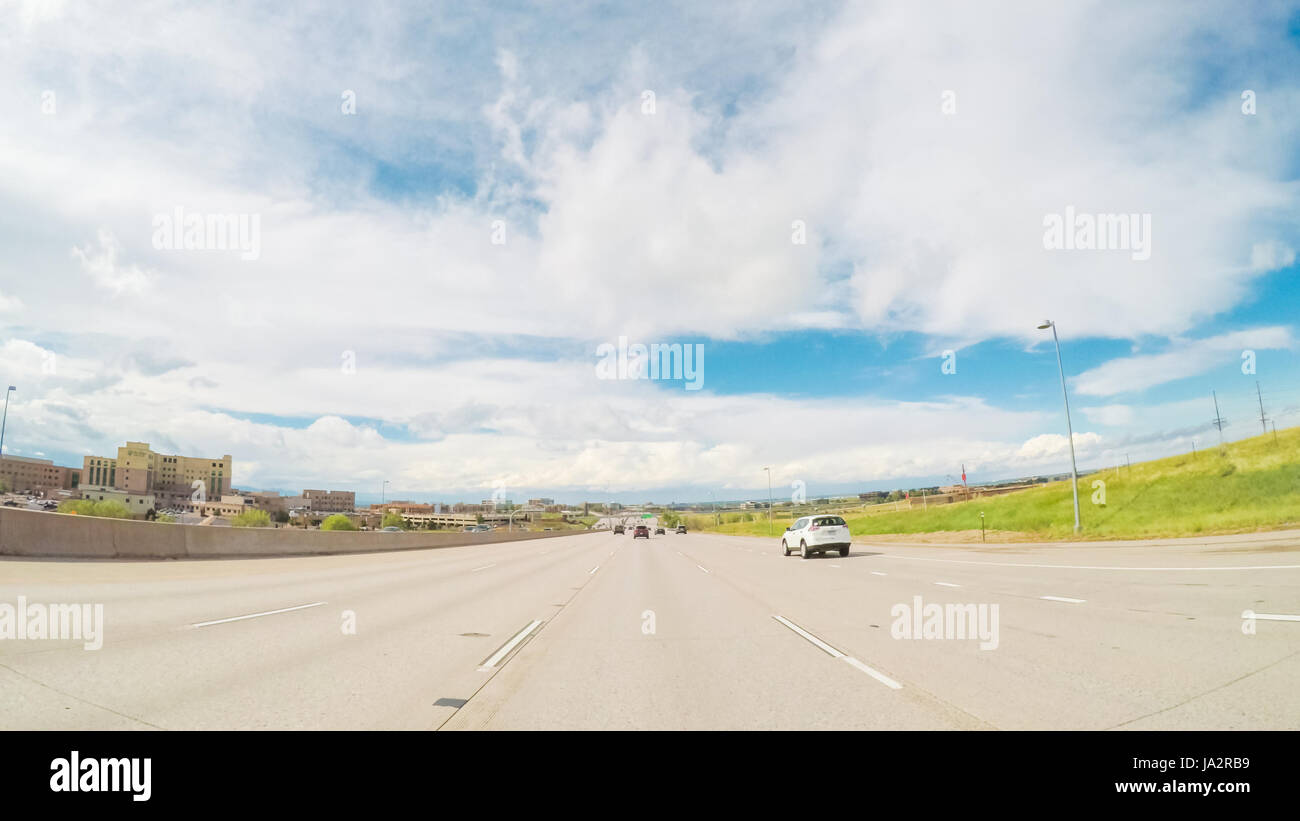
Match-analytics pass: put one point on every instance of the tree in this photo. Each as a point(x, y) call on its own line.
point(392, 519)
point(251, 518)
point(337, 522)
point(281, 516)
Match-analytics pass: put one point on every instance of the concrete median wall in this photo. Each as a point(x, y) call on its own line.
point(57, 535)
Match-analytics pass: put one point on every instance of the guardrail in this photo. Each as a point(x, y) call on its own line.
point(38, 534)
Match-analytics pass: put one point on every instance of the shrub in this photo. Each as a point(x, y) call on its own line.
point(337, 522)
point(251, 518)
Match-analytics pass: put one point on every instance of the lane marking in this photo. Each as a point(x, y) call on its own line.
point(1090, 566)
point(484, 567)
point(809, 636)
point(835, 565)
point(947, 584)
point(831, 651)
point(700, 566)
point(258, 615)
point(878, 573)
point(1065, 599)
point(593, 570)
point(1275, 617)
point(496, 657)
point(876, 674)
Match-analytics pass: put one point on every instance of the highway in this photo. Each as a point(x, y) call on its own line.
point(695, 631)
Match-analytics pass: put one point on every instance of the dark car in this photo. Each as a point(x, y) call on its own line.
point(641, 530)
point(681, 528)
point(11, 503)
point(659, 531)
point(618, 529)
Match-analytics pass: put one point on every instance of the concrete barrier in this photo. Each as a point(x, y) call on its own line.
point(57, 535)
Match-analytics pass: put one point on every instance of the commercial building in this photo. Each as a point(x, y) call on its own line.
point(330, 501)
point(139, 470)
point(138, 503)
point(25, 475)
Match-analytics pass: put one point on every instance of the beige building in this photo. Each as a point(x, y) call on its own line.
point(21, 474)
point(138, 503)
point(139, 470)
point(330, 501)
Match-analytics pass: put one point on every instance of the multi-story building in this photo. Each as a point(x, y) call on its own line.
point(330, 501)
point(139, 470)
point(23, 474)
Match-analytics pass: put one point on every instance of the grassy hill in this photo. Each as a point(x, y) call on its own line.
point(1253, 484)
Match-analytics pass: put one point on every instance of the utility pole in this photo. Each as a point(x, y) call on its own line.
point(769, 500)
point(5, 420)
point(1275, 433)
point(1262, 423)
point(1218, 420)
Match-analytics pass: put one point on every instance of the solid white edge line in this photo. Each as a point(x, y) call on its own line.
point(876, 674)
point(256, 615)
point(810, 637)
point(1089, 566)
point(1275, 617)
point(700, 566)
point(496, 657)
point(1065, 599)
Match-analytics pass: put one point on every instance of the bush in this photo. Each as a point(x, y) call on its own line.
point(337, 522)
point(105, 510)
point(251, 518)
point(165, 518)
point(393, 520)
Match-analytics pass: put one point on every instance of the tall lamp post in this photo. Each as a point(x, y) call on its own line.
point(383, 491)
point(769, 500)
point(5, 419)
point(1074, 468)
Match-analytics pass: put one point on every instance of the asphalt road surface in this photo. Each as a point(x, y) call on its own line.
point(600, 631)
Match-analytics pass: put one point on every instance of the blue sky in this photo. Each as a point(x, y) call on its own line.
point(521, 184)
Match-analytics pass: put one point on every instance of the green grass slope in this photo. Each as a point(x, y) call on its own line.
point(1250, 485)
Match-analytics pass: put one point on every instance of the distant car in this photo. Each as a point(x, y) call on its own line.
point(681, 528)
point(641, 530)
point(619, 529)
point(391, 529)
point(817, 534)
point(659, 531)
point(11, 503)
point(469, 529)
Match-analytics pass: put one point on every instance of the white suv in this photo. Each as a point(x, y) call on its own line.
point(817, 534)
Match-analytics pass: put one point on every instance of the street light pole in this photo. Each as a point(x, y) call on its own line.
point(1069, 427)
point(383, 495)
point(769, 500)
point(5, 420)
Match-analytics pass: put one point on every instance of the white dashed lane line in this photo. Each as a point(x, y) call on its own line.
point(834, 653)
point(257, 615)
point(1065, 599)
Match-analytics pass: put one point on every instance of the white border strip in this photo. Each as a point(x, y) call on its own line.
point(496, 657)
point(876, 674)
point(257, 615)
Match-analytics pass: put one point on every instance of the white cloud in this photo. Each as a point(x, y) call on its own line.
point(1183, 359)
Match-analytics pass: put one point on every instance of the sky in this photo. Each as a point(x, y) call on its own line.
point(452, 213)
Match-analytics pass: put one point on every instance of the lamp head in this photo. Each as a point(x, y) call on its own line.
point(1045, 324)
